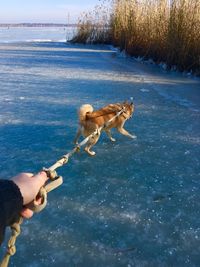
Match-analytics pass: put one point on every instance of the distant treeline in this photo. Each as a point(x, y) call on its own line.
point(7, 25)
point(163, 30)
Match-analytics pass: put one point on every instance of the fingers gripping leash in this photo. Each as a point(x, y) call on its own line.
point(54, 182)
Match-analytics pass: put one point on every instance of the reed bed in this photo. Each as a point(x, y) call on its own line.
point(163, 30)
point(94, 27)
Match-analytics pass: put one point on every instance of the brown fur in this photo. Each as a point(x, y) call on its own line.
point(90, 121)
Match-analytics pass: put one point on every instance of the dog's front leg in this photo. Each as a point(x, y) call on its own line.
point(124, 132)
point(109, 135)
point(79, 132)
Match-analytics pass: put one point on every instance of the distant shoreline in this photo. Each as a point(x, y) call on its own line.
point(7, 25)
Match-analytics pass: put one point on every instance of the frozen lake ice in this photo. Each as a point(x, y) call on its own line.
point(137, 202)
point(35, 34)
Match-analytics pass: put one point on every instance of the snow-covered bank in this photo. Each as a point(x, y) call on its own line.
point(187, 89)
point(136, 203)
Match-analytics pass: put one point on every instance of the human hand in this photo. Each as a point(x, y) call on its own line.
point(29, 186)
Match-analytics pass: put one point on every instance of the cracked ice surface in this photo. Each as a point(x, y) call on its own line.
point(136, 203)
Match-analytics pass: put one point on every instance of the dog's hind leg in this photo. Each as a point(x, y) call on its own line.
point(125, 132)
point(92, 141)
point(79, 132)
point(108, 132)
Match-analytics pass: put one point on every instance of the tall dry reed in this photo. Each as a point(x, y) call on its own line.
point(183, 36)
point(94, 27)
point(164, 30)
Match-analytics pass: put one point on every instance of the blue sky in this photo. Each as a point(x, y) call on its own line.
point(15, 11)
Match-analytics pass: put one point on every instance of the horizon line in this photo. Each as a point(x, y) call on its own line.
point(36, 23)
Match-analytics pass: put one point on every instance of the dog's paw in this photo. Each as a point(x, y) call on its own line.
point(91, 153)
point(112, 139)
point(133, 136)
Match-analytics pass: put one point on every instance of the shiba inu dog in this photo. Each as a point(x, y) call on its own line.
point(90, 121)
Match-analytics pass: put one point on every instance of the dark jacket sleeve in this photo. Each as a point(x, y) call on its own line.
point(11, 203)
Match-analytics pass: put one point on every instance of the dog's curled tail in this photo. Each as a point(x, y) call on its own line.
point(84, 109)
